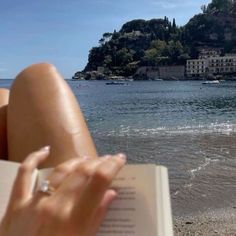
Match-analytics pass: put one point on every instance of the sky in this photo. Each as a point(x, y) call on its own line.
point(62, 32)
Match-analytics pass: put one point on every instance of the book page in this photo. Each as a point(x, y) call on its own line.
point(8, 172)
point(164, 214)
point(142, 207)
point(133, 213)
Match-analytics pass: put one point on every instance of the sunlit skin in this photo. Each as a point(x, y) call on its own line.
point(47, 113)
point(42, 111)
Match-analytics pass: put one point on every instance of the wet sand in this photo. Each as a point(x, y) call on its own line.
point(209, 223)
point(202, 177)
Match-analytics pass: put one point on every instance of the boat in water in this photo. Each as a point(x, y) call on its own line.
point(211, 82)
point(116, 83)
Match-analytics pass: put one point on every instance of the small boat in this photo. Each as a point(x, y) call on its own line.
point(75, 77)
point(211, 82)
point(116, 83)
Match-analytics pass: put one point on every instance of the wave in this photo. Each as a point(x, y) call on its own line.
point(221, 128)
point(202, 166)
point(193, 173)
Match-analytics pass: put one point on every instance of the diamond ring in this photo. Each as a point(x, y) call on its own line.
point(46, 188)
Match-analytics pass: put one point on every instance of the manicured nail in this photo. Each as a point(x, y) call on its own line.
point(122, 156)
point(113, 195)
point(46, 148)
point(85, 158)
point(107, 157)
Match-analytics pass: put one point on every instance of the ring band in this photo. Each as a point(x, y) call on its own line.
point(46, 188)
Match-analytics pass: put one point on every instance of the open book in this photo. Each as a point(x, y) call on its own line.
point(142, 207)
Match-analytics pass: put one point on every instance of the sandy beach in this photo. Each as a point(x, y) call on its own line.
point(217, 222)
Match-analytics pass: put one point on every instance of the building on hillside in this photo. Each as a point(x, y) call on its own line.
point(196, 67)
point(215, 65)
point(222, 65)
point(209, 52)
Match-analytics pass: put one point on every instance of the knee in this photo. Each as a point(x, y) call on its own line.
point(37, 76)
point(36, 71)
point(4, 96)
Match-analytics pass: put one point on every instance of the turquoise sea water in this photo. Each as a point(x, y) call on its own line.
point(187, 126)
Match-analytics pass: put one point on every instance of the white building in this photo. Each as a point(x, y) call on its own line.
point(215, 65)
point(196, 67)
point(222, 65)
point(208, 52)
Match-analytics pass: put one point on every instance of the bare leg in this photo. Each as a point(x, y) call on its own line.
point(4, 96)
point(43, 111)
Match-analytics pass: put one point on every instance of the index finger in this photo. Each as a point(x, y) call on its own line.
point(99, 182)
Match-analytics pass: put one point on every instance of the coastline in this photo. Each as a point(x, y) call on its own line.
point(100, 77)
point(212, 222)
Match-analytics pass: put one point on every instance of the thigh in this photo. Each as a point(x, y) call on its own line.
point(4, 96)
point(43, 111)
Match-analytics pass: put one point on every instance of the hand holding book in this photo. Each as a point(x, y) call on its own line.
point(75, 195)
point(141, 207)
point(76, 207)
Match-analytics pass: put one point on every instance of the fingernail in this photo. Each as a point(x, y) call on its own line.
point(46, 148)
point(107, 157)
point(122, 156)
point(85, 158)
point(113, 196)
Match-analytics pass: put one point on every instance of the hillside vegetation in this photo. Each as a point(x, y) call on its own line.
point(161, 42)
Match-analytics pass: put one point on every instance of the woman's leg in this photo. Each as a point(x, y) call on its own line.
point(43, 111)
point(4, 96)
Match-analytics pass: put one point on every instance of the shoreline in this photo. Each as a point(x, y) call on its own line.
point(205, 204)
point(157, 80)
point(211, 222)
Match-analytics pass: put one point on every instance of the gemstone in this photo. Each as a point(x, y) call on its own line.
point(44, 186)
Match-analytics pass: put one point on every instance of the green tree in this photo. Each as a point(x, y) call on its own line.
point(160, 46)
point(204, 9)
point(151, 57)
point(134, 25)
point(174, 24)
point(157, 53)
point(107, 36)
point(123, 57)
point(101, 41)
point(222, 5)
point(107, 61)
point(175, 49)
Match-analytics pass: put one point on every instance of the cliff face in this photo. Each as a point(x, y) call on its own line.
point(160, 42)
